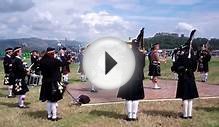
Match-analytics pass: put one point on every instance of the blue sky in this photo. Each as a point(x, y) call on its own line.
point(88, 20)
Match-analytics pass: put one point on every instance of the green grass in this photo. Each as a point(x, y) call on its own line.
point(151, 114)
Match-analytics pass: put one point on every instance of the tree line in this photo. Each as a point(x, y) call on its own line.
point(170, 42)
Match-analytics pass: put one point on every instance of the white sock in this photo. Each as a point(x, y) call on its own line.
point(135, 108)
point(129, 108)
point(49, 109)
point(206, 76)
point(65, 78)
point(22, 98)
point(175, 76)
point(92, 87)
point(54, 110)
point(190, 107)
point(185, 108)
point(156, 85)
point(10, 90)
point(83, 78)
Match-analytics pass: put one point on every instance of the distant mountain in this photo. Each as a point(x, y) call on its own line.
point(37, 43)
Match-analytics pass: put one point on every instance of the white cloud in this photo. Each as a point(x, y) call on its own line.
point(105, 24)
point(100, 18)
point(183, 26)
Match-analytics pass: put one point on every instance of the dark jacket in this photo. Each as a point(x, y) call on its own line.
point(65, 67)
point(19, 72)
point(203, 58)
point(35, 62)
point(185, 68)
point(8, 80)
point(133, 89)
point(51, 88)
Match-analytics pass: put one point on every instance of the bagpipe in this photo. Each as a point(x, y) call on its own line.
point(140, 41)
point(184, 50)
point(188, 45)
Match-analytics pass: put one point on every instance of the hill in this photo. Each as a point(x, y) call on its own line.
point(37, 43)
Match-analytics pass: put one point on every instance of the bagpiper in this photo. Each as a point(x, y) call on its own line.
point(35, 61)
point(66, 60)
point(52, 89)
point(133, 90)
point(203, 59)
point(154, 65)
point(20, 72)
point(185, 66)
point(8, 79)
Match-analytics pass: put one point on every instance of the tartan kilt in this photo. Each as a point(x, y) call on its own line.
point(52, 91)
point(154, 70)
point(132, 90)
point(20, 87)
point(8, 79)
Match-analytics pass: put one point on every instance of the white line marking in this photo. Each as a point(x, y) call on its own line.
point(154, 100)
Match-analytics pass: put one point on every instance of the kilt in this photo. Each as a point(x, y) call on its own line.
point(203, 67)
point(8, 79)
point(186, 87)
point(133, 90)
point(51, 91)
point(20, 87)
point(154, 70)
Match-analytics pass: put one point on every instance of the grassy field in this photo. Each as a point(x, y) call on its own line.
point(151, 114)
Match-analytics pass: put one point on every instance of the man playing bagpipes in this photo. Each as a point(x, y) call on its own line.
point(8, 79)
point(52, 89)
point(185, 65)
point(133, 90)
point(19, 73)
point(203, 58)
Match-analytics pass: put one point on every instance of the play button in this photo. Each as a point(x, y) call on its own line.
point(108, 63)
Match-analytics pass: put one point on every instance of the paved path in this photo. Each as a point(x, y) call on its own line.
point(167, 91)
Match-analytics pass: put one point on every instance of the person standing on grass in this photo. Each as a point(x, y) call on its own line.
point(8, 79)
point(133, 90)
point(185, 67)
point(52, 89)
point(203, 58)
point(19, 71)
point(66, 62)
point(80, 69)
point(154, 65)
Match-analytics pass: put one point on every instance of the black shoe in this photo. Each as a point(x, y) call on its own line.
point(56, 119)
point(134, 119)
point(11, 96)
point(23, 106)
point(189, 117)
point(128, 119)
point(182, 117)
point(93, 91)
point(49, 118)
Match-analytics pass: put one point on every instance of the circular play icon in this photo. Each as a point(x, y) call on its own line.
point(108, 63)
